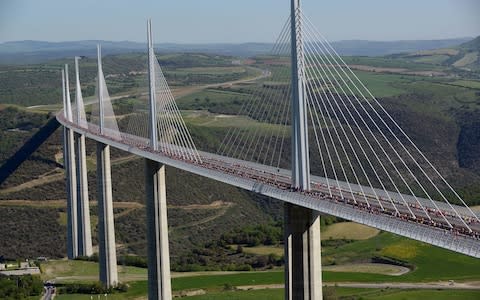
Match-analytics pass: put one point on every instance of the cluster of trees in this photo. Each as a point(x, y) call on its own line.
point(227, 253)
point(220, 257)
point(263, 234)
point(31, 232)
point(124, 260)
point(29, 85)
point(40, 84)
point(90, 288)
point(20, 287)
point(22, 122)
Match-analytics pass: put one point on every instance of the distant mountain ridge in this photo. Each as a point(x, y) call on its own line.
point(20, 52)
point(381, 48)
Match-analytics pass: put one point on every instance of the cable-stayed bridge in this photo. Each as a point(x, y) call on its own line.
point(316, 138)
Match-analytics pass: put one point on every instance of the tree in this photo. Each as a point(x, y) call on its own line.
point(239, 249)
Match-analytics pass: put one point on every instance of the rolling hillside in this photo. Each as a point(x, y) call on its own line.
point(465, 56)
point(23, 52)
point(439, 113)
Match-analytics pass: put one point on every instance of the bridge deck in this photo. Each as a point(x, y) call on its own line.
point(363, 208)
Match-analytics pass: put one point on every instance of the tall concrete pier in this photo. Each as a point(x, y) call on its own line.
point(83, 206)
point(106, 233)
point(303, 261)
point(107, 255)
point(70, 171)
point(159, 285)
point(303, 265)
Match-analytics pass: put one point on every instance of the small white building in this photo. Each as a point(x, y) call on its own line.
point(3, 267)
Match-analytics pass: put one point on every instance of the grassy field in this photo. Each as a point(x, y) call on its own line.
point(371, 268)
point(381, 85)
point(208, 120)
point(431, 263)
point(137, 289)
point(75, 271)
point(337, 231)
point(474, 84)
point(346, 244)
point(424, 294)
point(264, 250)
point(386, 62)
point(432, 59)
point(468, 59)
point(209, 70)
point(210, 98)
point(243, 295)
point(348, 231)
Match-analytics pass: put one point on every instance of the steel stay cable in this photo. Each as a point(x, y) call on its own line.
point(355, 121)
point(171, 138)
point(161, 120)
point(109, 115)
point(326, 145)
point(281, 123)
point(163, 125)
point(232, 131)
point(341, 143)
point(187, 145)
point(318, 144)
point(170, 123)
point(174, 124)
point(278, 114)
point(388, 128)
point(345, 134)
point(332, 140)
point(358, 142)
point(385, 170)
point(267, 102)
point(246, 134)
point(187, 142)
point(278, 117)
point(258, 94)
point(283, 136)
point(408, 138)
point(235, 131)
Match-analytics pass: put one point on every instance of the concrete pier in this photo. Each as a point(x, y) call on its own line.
point(303, 260)
point(159, 281)
point(83, 205)
point(106, 233)
point(71, 177)
point(303, 265)
point(70, 171)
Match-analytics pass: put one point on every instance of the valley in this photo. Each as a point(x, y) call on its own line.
point(435, 96)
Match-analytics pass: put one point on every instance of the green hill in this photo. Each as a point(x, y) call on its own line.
point(464, 57)
point(473, 45)
point(469, 56)
point(436, 112)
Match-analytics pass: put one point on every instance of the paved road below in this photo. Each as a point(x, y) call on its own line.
point(392, 285)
